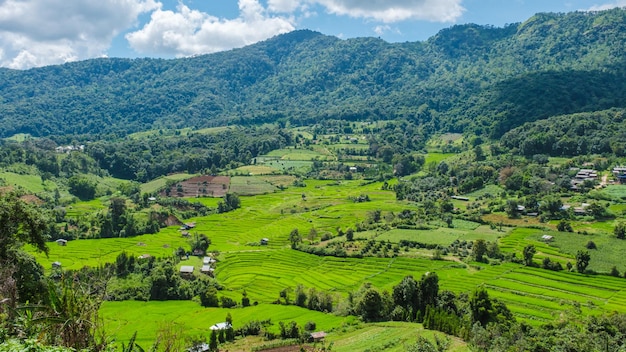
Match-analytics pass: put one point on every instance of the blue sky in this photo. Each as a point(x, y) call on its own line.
point(44, 32)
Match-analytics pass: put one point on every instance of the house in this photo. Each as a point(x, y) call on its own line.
point(221, 326)
point(61, 242)
point(56, 265)
point(207, 269)
point(318, 336)
point(208, 261)
point(353, 169)
point(186, 270)
point(547, 238)
point(465, 199)
point(264, 241)
point(144, 256)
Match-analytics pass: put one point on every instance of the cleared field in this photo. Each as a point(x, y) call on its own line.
point(159, 183)
point(253, 170)
point(248, 186)
point(199, 186)
point(299, 154)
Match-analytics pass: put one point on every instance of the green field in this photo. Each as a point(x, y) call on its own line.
point(443, 236)
point(535, 295)
point(147, 318)
point(299, 154)
point(32, 183)
point(248, 186)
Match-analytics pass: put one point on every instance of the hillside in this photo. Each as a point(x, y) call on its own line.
point(472, 77)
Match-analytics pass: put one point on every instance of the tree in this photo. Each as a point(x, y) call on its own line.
point(82, 187)
point(529, 253)
point(369, 307)
point(620, 230)
point(564, 226)
point(200, 242)
point(582, 261)
point(405, 295)
point(295, 238)
point(213, 341)
point(349, 234)
point(479, 248)
point(20, 223)
point(208, 297)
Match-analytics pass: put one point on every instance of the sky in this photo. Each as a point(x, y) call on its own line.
point(37, 33)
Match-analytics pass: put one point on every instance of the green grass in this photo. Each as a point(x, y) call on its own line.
point(437, 157)
point(19, 137)
point(96, 252)
point(614, 192)
point(32, 183)
point(159, 183)
point(298, 154)
point(389, 336)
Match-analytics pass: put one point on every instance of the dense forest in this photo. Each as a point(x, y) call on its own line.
point(468, 77)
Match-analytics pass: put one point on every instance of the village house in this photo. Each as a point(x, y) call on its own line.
point(582, 176)
point(186, 271)
point(61, 242)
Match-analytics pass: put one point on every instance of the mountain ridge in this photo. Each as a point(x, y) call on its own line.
point(465, 75)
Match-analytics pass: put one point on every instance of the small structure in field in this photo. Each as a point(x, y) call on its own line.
point(221, 326)
point(56, 265)
point(264, 241)
point(547, 238)
point(207, 269)
point(61, 242)
point(186, 270)
point(318, 336)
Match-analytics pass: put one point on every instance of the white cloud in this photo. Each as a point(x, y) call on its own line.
point(389, 11)
point(285, 6)
point(44, 32)
point(380, 30)
point(187, 32)
point(618, 3)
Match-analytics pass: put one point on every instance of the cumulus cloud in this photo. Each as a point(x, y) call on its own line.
point(186, 32)
point(619, 3)
point(388, 11)
point(43, 32)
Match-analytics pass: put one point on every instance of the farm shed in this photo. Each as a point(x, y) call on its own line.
point(221, 326)
point(318, 336)
point(186, 270)
point(264, 241)
point(207, 269)
point(61, 242)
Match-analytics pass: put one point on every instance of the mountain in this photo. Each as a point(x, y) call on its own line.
point(467, 77)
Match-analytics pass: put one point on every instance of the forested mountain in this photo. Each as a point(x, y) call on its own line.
point(481, 78)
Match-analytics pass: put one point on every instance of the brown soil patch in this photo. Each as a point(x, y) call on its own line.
point(293, 348)
point(200, 186)
point(32, 199)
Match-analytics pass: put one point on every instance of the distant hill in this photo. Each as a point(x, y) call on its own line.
point(484, 79)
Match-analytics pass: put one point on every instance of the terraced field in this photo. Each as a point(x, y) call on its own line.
point(533, 294)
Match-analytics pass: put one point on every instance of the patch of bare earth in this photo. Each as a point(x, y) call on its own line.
point(200, 186)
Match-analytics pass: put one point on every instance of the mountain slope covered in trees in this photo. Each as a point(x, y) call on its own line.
point(481, 78)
